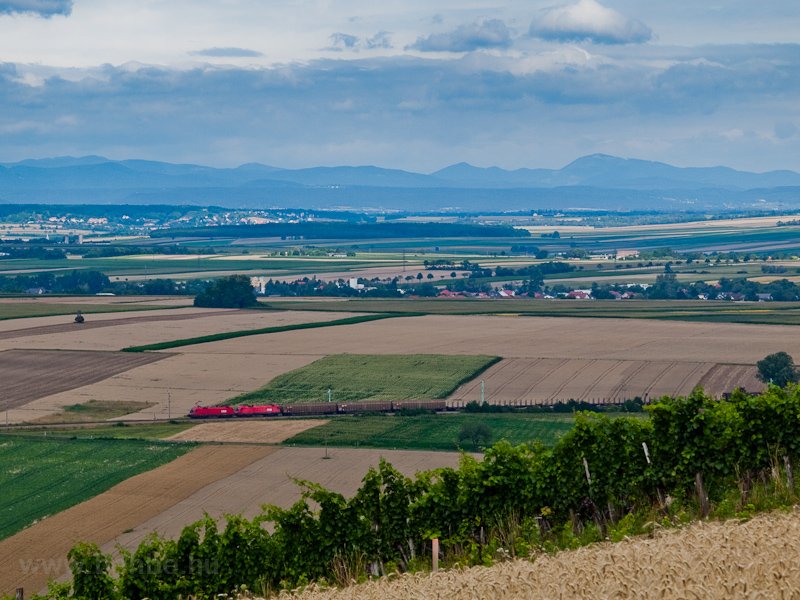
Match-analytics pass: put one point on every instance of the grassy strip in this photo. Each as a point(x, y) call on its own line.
point(94, 410)
point(432, 432)
point(216, 337)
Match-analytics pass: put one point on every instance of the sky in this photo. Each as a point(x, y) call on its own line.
point(410, 84)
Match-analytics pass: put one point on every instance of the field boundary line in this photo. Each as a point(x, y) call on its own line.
point(216, 337)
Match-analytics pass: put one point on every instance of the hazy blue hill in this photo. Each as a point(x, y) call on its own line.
point(468, 175)
point(597, 181)
point(58, 161)
point(356, 176)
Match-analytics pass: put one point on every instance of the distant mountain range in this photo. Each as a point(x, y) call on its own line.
point(596, 181)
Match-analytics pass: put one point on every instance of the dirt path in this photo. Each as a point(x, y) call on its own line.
point(34, 555)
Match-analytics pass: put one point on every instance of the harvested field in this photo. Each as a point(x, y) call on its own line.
point(551, 358)
point(93, 323)
point(172, 386)
point(756, 559)
point(532, 337)
point(271, 480)
point(547, 380)
point(31, 374)
point(261, 432)
point(725, 378)
point(140, 328)
point(38, 553)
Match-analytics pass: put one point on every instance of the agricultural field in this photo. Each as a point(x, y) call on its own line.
point(41, 477)
point(213, 479)
point(548, 380)
point(432, 432)
point(18, 308)
point(38, 553)
point(755, 559)
point(117, 430)
point(354, 377)
point(776, 313)
point(237, 432)
point(94, 410)
point(32, 374)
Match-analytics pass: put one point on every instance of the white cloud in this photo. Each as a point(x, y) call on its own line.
point(589, 20)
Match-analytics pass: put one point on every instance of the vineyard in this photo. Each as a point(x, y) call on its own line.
point(432, 432)
point(354, 377)
point(606, 479)
point(50, 475)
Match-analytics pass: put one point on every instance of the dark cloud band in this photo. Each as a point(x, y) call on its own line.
point(42, 8)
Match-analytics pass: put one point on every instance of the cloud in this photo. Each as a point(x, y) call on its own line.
point(42, 8)
point(227, 52)
point(491, 33)
point(589, 20)
point(342, 41)
point(345, 41)
point(417, 112)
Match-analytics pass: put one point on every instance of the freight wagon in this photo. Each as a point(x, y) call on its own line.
point(314, 408)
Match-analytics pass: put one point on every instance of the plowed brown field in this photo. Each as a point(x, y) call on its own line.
point(38, 553)
point(712, 561)
point(30, 374)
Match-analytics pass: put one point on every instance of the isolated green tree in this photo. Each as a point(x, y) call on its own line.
point(777, 368)
point(478, 434)
point(227, 292)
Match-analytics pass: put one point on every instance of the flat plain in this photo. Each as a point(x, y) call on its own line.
point(545, 358)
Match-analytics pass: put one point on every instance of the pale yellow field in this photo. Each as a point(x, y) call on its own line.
point(261, 432)
point(539, 380)
point(530, 337)
point(708, 561)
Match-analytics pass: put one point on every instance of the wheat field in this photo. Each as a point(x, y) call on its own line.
point(755, 560)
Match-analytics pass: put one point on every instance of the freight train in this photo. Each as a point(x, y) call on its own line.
point(315, 408)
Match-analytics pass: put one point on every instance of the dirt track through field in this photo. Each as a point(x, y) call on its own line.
point(30, 374)
point(38, 553)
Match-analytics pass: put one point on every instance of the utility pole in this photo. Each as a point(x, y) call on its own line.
point(483, 392)
point(169, 404)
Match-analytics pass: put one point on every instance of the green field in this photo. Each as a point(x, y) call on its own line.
point(776, 313)
point(432, 432)
point(353, 377)
point(40, 477)
point(19, 310)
